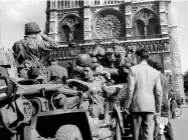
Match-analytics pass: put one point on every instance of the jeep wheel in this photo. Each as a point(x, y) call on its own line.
point(68, 132)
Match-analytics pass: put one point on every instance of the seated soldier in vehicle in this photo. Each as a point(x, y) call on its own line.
point(56, 73)
point(98, 52)
point(132, 55)
point(97, 86)
point(83, 60)
point(119, 52)
point(98, 69)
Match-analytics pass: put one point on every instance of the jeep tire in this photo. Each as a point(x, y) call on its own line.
point(68, 132)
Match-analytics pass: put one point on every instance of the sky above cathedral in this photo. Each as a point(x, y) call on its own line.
point(15, 13)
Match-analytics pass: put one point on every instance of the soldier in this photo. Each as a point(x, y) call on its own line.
point(97, 85)
point(56, 73)
point(119, 52)
point(98, 69)
point(31, 47)
point(98, 52)
point(82, 60)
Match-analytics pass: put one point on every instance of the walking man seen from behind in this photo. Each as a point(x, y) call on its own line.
point(165, 109)
point(144, 97)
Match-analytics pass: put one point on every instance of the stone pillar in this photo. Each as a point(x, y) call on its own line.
point(87, 20)
point(177, 75)
point(163, 18)
point(53, 21)
point(128, 20)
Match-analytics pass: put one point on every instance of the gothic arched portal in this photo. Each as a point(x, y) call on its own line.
point(66, 31)
point(71, 28)
point(140, 28)
point(153, 27)
point(146, 23)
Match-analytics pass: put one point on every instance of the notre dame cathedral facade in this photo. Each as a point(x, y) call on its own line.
point(140, 23)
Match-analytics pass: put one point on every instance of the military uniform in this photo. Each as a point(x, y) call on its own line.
point(56, 73)
point(31, 47)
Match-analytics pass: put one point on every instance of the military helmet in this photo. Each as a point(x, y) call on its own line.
point(83, 60)
point(109, 51)
point(73, 44)
point(94, 60)
point(115, 41)
point(32, 27)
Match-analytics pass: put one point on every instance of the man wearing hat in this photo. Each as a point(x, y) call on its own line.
point(32, 45)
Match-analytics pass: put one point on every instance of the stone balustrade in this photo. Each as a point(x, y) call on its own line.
point(155, 46)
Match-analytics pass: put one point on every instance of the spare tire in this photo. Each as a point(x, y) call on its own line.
point(68, 132)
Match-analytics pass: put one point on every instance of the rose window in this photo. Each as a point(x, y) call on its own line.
point(109, 26)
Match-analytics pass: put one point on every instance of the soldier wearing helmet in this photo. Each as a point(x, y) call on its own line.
point(98, 51)
point(82, 60)
point(119, 52)
point(31, 47)
point(98, 69)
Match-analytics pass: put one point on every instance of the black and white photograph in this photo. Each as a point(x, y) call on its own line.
point(93, 70)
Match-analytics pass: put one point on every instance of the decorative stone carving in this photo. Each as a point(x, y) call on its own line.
point(86, 35)
point(86, 13)
point(128, 21)
point(144, 15)
point(86, 25)
point(134, 9)
point(128, 10)
point(93, 10)
point(129, 32)
point(109, 25)
point(155, 7)
point(52, 27)
point(52, 16)
point(163, 19)
point(122, 8)
point(164, 30)
point(66, 13)
point(162, 7)
point(152, 6)
point(70, 21)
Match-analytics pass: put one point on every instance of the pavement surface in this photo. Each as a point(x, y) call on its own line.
point(180, 125)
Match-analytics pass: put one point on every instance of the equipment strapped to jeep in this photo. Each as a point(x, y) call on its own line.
point(7, 89)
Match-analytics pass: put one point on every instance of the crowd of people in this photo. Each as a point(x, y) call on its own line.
point(146, 93)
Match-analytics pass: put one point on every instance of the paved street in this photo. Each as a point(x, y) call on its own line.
point(180, 125)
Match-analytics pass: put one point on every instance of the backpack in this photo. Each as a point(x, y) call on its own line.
point(7, 87)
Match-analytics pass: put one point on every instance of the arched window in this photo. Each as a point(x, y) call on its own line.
point(146, 23)
point(140, 28)
point(153, 27)
point(78, 33)
point(66, 32)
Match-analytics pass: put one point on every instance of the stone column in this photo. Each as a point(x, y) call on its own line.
point(177, 76)
point(128, 20)
point(163, 18)
point(53, 22)
point(87, 20)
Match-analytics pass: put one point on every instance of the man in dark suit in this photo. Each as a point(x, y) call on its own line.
point(144, 97)
point(165, 109)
